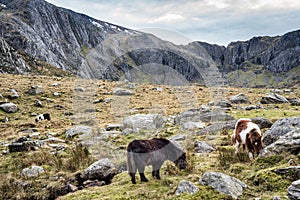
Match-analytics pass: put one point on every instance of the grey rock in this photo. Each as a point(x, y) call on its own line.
point(239, 99)
point(224, 103)
point(117, 127)
point(218, 126)
point(290, 142)
point(14, 94)
point(215, 116)
point(79, 89)
point(192, 115)
point(102, 170)
point(192, 125)
point(178, 137)
point(144, 122)
point(9, 107)
point(262, 122)
point(251, 107)
point(35, 89)
point(56, 94)
point(276, 198)
point(186, 187)
point(294, 190)
point(32, 171)
point(78, 130)
point(223, 183)
point(294, 101)
point(23, 144)
point(1, 96)
point(38, 103)
point(280, 128)
point(293, 172)
point(273, 98)
point(122, 92)
point(203, 147)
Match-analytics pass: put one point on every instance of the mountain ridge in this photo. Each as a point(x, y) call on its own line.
point(84, 46)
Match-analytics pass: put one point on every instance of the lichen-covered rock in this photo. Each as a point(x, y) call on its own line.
point(77, 130)
point(9, 107)
point(224, 103)
point(102, 170)
point(273, 98)
point(280, 128)
point(35, 89)
point(192, 125)
point(289, 142)
point(294, 190)
point(203, 147)
point(32, 171)
point(144, 122)
point(223, 183)
point(186, 186)
point(122, 92)
point(215, 116)
point(239, 99)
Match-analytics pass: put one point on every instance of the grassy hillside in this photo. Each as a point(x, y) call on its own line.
point(71, 106)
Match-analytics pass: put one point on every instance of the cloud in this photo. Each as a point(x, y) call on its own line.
point(215, 21)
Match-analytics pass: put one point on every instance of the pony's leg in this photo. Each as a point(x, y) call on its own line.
point(237, 146)
point(132, 175)
point(155, 170)
point(251, 155)
point(141, 169)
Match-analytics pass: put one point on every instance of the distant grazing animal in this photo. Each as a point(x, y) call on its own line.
point(155, 152)
point(249, 135)
point(43, 117)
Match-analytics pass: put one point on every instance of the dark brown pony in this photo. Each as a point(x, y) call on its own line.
point(155, 152)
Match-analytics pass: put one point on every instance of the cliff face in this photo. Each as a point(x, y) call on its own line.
point(277, 56)
point(34, 32)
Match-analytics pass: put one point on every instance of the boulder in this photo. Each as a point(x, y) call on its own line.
point(215, 116)
point(178, 137)
point(289, 142)
point(273, 98)
point(122, 92)
point(9, 107)
point(262, 122)
point(291, 171)
point(14, 94)
point(192, 115)
point(38, 103)
point(239, 99)
point(77, 130)
point(36, 89)
point(192, 125)
point(280, 128)
point(186, 187)
point(23, 144)
point(203, 147)
point(116, 127)
point(294, 101)
point(216, 127)
point(32, 171)
point(294, 190)
point(102, 170)
point(223, 183)
point(144, 122)
point(224, 103)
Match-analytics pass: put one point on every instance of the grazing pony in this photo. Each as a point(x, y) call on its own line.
point(155, 152)
point(249, 135)
point(42, 117)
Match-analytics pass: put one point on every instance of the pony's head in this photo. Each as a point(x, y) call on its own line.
point(181, 161)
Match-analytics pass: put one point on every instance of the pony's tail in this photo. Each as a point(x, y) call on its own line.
point(131, 165)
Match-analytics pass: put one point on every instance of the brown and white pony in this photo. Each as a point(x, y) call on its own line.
point(249, 135)
point(155, 152)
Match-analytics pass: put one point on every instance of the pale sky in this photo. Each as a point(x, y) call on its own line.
point(213, 21)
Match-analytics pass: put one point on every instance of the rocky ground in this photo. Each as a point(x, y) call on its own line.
point(80, 153)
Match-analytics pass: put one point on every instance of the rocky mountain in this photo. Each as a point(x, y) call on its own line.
point(35, 34)
point(273, 59)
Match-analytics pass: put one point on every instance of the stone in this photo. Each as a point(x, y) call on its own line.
point(273, 98)
point(293, 172)
point(178, 137)
point(262, 122)
point(36, 89)
point(79, 89)
point(102, 170)
point(224, 103)
point(215, 116)
point(239, 99)
point(38, 103)
point(223, 183)
point(78, 130)
point(9, 107)
point(32, 171)
point(280, 128)
point(56, 94)
point(203, 147)
point(192, 125)
point(216, 127)
point(192, 115)
point(144, 122)
point(294, 101)
point(118, 127)
point(122, 92)
point(186, 187)
point(14, 94)
point(289, 142)
point(294, 190)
